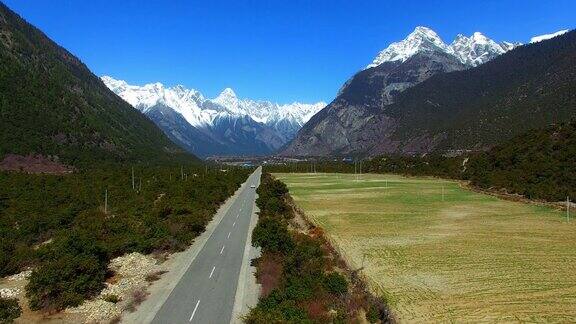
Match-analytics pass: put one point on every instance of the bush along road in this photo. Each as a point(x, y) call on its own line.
point(302, 277)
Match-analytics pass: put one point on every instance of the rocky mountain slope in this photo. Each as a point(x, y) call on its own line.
point(53, 105)
point(225, 125)
point(469, 109)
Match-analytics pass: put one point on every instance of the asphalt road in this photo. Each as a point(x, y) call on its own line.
point(206, 292)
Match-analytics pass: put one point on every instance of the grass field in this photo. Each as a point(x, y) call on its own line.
point(453, 257)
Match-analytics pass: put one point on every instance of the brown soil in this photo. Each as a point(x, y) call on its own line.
point(269, 273)
point(299, 222)
point(33, 164)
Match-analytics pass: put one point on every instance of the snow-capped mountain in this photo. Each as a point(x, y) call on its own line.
point(478, 49)
point(227, 124)
point(540, 38)
point(470, 51)
point(422, 39)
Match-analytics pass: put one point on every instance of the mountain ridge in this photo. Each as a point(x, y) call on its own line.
point(266, 126)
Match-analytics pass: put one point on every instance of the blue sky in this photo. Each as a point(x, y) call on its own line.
point(283, 51)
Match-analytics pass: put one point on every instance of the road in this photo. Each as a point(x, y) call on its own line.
point(207, 290)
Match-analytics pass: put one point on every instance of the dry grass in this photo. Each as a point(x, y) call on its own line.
point(154, 276)
point(137, 298)
point(468, 257)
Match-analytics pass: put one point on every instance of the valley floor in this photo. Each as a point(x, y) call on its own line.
point(438, 252)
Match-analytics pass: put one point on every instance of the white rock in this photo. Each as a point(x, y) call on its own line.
point(9, 292)
point(20, 276)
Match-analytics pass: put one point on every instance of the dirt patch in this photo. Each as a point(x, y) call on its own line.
point(34, 164)
point(299, 222)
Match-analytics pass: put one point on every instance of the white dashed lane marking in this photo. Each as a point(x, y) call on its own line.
point(194, 311)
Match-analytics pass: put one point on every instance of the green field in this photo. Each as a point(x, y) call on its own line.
point(441, 253)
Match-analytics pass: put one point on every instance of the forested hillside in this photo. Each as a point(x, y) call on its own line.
point(528, 88)
point(539, 164)
point(51, 104)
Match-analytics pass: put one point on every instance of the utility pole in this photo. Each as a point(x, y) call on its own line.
point(133, 178)
point(140, 185)
point(106, 201)
point(182, 172)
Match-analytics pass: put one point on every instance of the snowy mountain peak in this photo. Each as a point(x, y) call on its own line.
point(478, 49)
point(228, 99)
point(420, 40)
point(228, 93)
point(471, 51)
point(113, 83)
point(424, 32)
point(540, 38)
point(509, 46)
point(479, 38)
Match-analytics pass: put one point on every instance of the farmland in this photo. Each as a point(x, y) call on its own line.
point(438, 252)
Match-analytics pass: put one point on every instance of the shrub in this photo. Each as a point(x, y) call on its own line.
point(335, 283)
point(306, 258)
point(271, 234)
point(155, 276)
point(372, 315)
point(9, 310)
point(66, 281)
point(138, 297)
point(299, 288)
point(111, 298)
